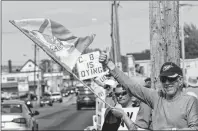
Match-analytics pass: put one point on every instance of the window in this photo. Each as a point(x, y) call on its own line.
point(10, 78)
point(11, 108)
point(27, 109)
point(56, 94)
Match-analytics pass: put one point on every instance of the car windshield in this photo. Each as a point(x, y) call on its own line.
point(46, 94)
point(84, 91)
point(55, 94)
point(11, 108)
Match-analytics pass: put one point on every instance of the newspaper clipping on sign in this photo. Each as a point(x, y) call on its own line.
point(89, 66)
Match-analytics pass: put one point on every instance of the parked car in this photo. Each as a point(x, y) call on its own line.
point(4, 96)
point(72, 91)
point(85, 98)
point(65, 92)
point(14, 95)
point(17, 116)
point(56, 96)
point(28, 98)
point(46, 100)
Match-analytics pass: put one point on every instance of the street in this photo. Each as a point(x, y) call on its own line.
point(64, 116)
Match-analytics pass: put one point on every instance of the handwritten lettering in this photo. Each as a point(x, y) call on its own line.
point(91, 71)
point(129, 114)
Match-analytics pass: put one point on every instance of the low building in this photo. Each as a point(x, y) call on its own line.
point(144, 61)
point(26, 79)
point(11, 82)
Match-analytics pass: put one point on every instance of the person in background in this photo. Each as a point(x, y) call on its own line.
point(108, 85)
point(172, 108)
point(192, 86)
point(123, 96)
point(123, 99)
point(137, 68)
point(148, 82)
point(141, 71)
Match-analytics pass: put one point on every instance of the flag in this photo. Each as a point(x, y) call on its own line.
point(55, 39)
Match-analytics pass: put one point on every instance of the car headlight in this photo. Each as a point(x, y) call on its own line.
point(28, 102)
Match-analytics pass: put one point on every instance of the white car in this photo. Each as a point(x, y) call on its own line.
point(56, 96)
point(17, 116)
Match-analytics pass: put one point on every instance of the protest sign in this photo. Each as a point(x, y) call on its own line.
point(88, 66)
point(131, 112)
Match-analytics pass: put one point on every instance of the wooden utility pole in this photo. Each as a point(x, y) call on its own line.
point(35, 46)
point(112, 34)
point(115, 35)
point(164, 36)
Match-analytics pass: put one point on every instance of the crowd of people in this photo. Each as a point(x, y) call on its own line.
point(170, 108)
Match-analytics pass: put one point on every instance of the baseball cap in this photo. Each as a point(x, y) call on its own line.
point(193, 81)
point(170, 69)
point(110, 82)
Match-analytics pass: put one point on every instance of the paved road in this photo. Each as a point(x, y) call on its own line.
point(64, 116)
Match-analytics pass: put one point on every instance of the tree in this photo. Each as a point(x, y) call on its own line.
point(46, 65)
point(191, 41)
point(89, 50)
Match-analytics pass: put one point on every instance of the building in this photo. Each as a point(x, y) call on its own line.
point(24, 80)
point(144, 61)
point(17, 79)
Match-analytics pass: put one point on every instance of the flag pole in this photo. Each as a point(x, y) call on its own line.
point(56, 60)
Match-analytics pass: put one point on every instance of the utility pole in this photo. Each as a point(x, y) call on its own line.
point(35, 68)
point(164, 36)
point(112, 35)
point(115, 35)
point(38, 78)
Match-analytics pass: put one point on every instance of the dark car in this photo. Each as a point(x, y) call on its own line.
point(46, 100)
point(85, 98)
point(28, 98)
point(65, 92)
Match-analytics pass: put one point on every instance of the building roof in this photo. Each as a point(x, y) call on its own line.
point(27, 63)
point(140, 56)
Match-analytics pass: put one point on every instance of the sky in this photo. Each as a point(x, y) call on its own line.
point(81, 18)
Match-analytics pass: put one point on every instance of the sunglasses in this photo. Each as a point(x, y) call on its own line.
point(122, 94)
point(163, 79)
point(107, 87)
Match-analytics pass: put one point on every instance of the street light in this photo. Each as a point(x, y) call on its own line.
point(182, 34)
